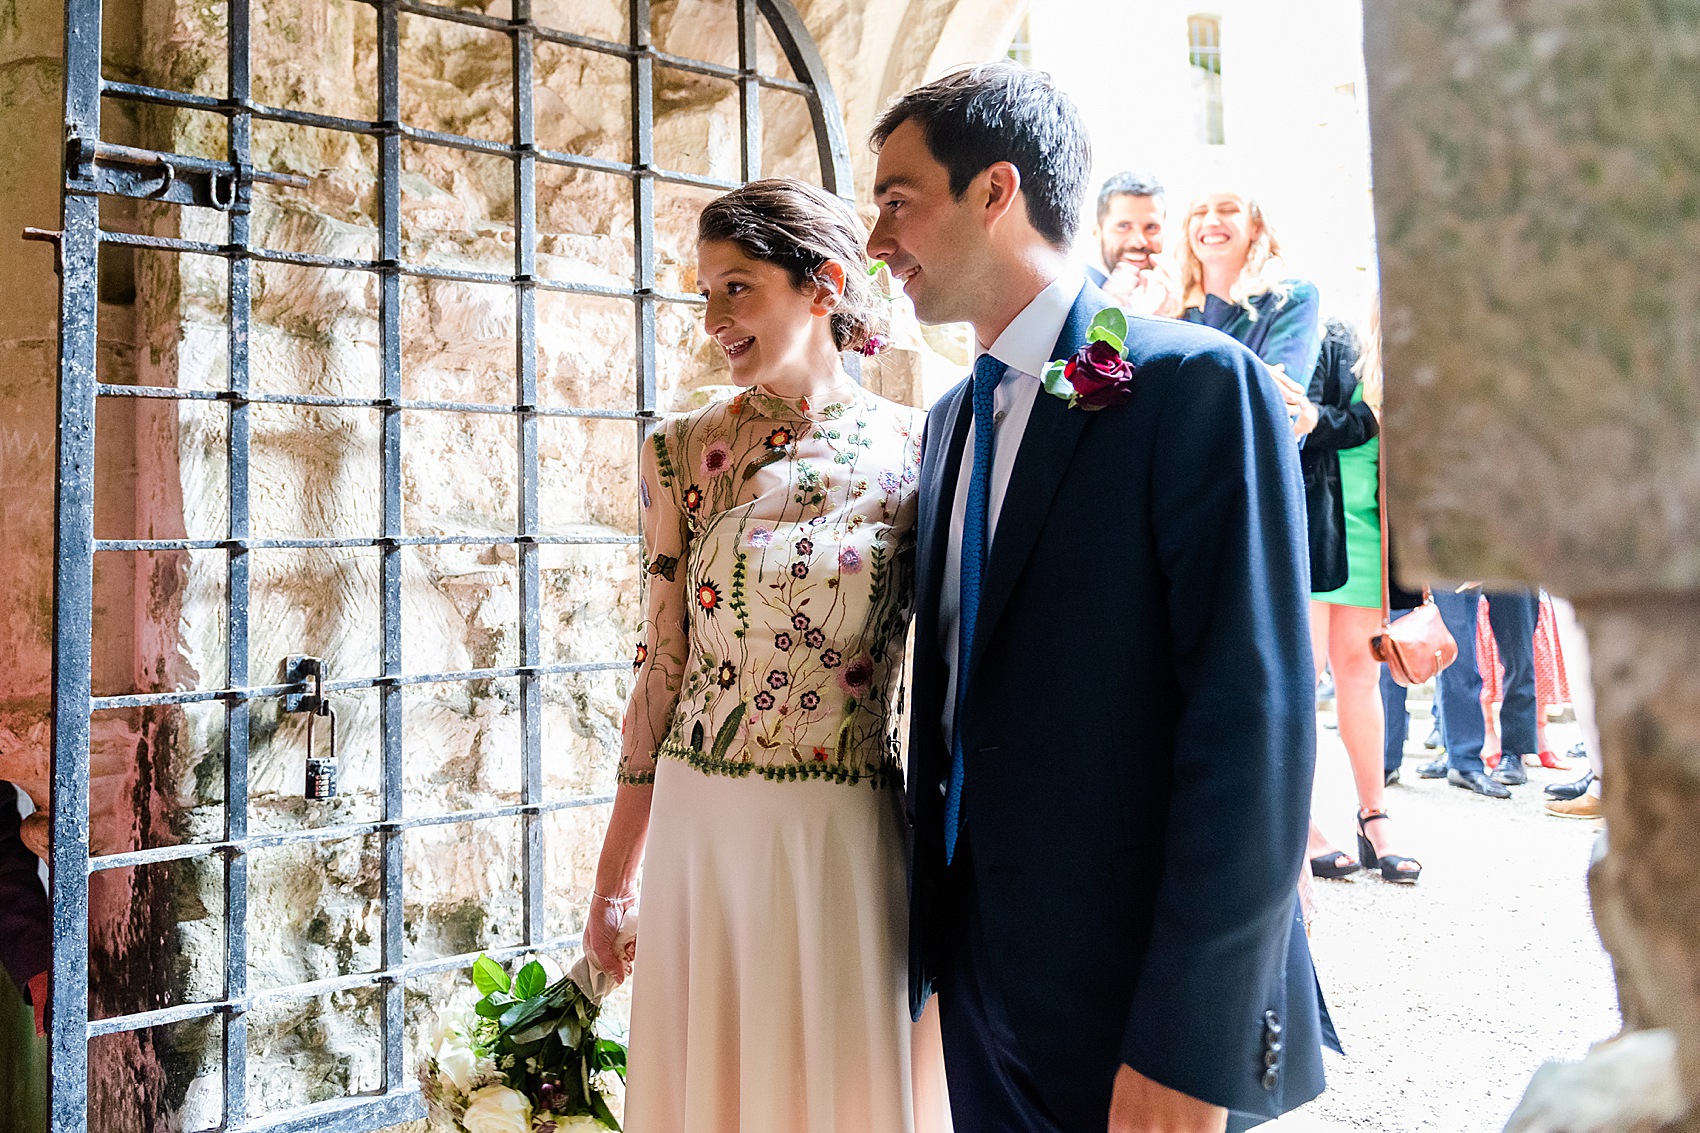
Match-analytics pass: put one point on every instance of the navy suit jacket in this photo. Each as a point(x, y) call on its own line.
point(1139, 734)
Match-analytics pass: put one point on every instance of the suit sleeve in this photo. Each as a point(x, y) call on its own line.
point(1228, 520)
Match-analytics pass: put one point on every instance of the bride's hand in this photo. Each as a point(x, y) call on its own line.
point(602, 925)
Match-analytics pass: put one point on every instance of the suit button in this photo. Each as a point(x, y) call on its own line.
point(1269, 1077)
point(1272, 1058)
point(1272, 1022)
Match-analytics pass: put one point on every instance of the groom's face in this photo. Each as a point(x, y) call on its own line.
point(933, 242)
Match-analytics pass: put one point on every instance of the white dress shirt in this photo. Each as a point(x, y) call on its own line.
point(1024, 348)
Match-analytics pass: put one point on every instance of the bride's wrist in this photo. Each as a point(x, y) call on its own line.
point(619, 901)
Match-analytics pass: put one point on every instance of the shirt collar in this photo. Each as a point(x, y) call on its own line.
point(1026, 343)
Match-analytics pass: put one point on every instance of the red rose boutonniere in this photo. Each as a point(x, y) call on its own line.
point(1097, 375)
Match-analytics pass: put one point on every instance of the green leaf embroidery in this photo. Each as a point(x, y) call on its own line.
point(761, 462)
point(489, 976)
point(723, 738)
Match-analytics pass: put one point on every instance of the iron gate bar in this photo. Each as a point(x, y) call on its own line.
point(182, 1013)
point(236, 714)
point(196, 696)
point(86, 180)
point(306, 259)
point(331, 833)
point(73, 589)
point(338, 544)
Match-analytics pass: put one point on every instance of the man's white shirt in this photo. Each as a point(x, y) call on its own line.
point(1024, 348)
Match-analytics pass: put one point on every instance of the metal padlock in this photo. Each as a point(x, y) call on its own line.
point(321, 772)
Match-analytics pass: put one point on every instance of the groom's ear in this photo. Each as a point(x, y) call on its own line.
point(998, 185)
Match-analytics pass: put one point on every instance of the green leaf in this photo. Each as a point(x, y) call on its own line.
point(535, 1033)
point(489, 976)
point(1099, 334)
point(532, 979)
point(874, 267)
point(723, 738)
point(1055, 384)
point(1112, 320)
point(492, 1005)
point(599, 1110)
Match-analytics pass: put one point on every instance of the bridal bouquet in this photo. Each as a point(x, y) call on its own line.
point(528, 1060)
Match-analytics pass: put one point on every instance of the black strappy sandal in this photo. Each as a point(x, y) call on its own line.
point(1388, 863)
point(1335, 864)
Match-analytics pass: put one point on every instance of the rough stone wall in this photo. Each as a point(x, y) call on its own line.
point(1536, 184)
point(314, 910)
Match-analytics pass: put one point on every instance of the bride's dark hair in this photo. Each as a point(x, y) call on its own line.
point(799, 227)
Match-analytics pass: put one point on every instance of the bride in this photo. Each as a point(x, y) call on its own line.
point(759, 762)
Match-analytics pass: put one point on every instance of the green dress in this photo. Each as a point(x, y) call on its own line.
point(1358, 479)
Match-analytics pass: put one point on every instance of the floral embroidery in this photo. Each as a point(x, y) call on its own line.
point(857, 677)
point(643, 493)
point(764, 492)
point(640, 656)
point(716, 459)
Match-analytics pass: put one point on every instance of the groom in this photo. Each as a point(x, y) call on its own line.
point(1110, 762)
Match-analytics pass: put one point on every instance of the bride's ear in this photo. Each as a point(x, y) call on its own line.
point(829, 287)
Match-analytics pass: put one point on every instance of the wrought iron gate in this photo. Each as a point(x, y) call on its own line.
point(94, 168)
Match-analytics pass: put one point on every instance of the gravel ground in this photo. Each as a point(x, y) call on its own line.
point(1450, 993)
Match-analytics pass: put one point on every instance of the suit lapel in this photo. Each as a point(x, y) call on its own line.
point(1047, 447)
point(940, 468)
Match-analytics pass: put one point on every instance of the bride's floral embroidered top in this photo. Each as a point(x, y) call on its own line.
point(775, 536)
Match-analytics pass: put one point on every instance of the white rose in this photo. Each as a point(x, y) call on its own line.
point(456, 1061)
point(497, 1109)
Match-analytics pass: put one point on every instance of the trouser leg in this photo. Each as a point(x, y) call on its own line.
point(1460, 685)
point(1512, 614)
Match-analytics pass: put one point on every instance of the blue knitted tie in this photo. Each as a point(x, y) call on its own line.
point(988, 371)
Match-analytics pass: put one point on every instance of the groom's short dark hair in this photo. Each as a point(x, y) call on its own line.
point(977, 117)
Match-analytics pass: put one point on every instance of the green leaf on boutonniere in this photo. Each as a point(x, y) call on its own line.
point(1109, 325)
point(1055, 384)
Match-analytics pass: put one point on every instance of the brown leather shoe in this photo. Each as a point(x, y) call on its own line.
point(1584, 806)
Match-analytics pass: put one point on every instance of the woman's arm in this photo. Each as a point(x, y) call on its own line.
point(659, 668)
point(1294, 338)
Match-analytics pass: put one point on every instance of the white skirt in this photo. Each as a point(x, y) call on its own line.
point(770, 987)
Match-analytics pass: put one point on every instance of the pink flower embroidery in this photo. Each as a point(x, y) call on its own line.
point(849, 561)
point(858, 676)
point(760, 537)
point(716, 459)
